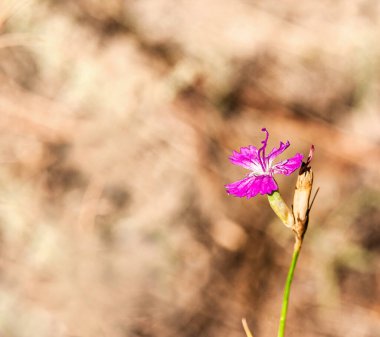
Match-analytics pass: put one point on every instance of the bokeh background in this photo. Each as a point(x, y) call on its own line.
point(116, 122)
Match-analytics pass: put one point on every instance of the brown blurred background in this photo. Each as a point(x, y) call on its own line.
point(116, 122)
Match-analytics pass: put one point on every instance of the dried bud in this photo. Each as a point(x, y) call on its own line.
point(301, 201)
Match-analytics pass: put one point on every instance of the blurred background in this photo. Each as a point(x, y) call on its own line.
point(116, 122)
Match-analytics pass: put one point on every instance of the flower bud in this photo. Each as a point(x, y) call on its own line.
point(301, 201)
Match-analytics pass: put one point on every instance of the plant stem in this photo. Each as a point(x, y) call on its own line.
point(285, 300)
point(246, 328)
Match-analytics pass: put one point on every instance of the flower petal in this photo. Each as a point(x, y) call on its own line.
point(276, 152)
point(250, 186)
point(246, 157)
point(288, 166)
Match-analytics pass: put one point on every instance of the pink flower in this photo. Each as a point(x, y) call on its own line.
point(260, 179)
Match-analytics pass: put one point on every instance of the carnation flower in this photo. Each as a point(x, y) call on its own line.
point(260, 179)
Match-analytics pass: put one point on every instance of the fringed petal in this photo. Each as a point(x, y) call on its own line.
point(276, 152)
point(250, 186)
point(247, 157)
point(288, 166)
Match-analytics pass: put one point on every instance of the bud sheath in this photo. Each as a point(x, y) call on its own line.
point(301, 201)
point(281, 209)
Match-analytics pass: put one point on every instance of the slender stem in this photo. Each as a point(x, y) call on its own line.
point(285, 300)
point(246, 328)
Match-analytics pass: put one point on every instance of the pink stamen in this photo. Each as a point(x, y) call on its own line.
point(261, 153)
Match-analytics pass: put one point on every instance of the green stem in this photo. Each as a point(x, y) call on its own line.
point(285, 300)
